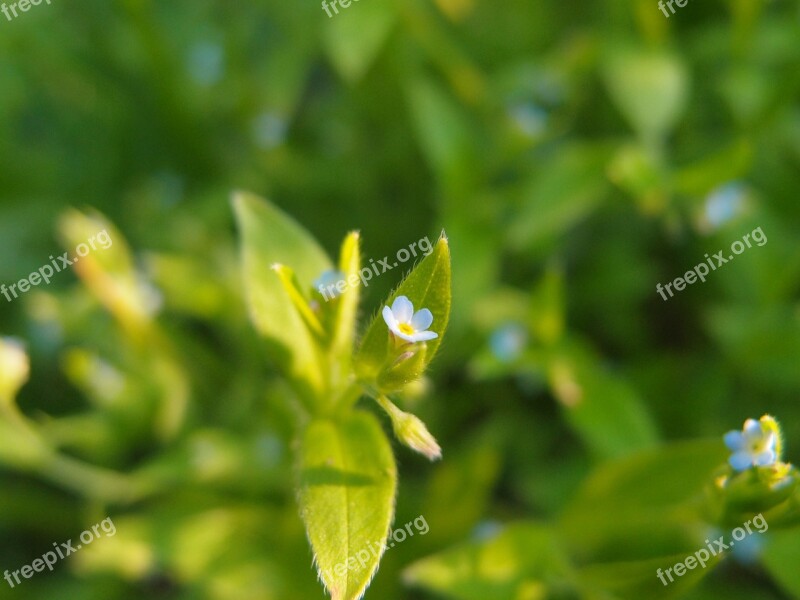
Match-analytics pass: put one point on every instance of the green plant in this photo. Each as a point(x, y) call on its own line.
point(346, 475)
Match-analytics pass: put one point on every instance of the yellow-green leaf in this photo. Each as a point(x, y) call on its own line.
point(348, 480)
point(271, 237)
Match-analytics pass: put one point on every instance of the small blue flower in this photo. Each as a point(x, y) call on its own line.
point(206, 62)
point(508, 341)
point(326, 283)
point(754, 446)
point(724, 203)
point(407, 324)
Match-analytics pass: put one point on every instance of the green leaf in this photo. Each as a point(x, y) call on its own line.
point(728, 163)
point(427, 286)
point(650, 89)
point(108, 269)
point(780, 559)
point(603, 408)
point(354, 37)
point(639, 579)
point(446, 136)
point(348, 480)
point(643, 506)
point(563, 190)
point(292, 288)
point(271, 237)
point(523, 561)
point(347, 302)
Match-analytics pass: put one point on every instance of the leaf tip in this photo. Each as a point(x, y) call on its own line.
point(239, 199)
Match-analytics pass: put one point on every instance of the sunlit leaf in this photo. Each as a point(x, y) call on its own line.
point(268, 237)
point(347, 488)
point(651, 89)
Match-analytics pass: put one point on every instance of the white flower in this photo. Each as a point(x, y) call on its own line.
point(407, 324)
point(754, 446)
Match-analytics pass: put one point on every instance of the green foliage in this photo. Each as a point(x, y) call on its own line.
point(346, 473)
point(577, 154)
point(271, 238)
point(522, 561)
point(347, 479)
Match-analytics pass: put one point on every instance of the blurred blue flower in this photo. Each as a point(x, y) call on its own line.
point(724, 203)
point(529, 119)
point(325, 284)
point(269, 130)
point(486, 530)
point(508, 341)
point(748, 550)
point(206, 63)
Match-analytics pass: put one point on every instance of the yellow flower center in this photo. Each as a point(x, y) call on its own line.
point(406, 328)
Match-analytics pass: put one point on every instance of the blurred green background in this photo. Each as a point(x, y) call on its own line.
point(576, 153)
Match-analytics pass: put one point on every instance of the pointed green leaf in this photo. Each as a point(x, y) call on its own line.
point(354, 38)
point(268, 237)
point(427, 286)
point(347, 307)
point(108, 269)
point(348, 480)
point(650, 89)
point(292, 288)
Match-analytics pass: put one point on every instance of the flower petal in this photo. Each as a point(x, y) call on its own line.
point(424, 336)
point(422, 319)
point(734, 440)
point(752, 429)
point(741, 460)
point(405, 336)
point(403, 309)
point(765, 458)
point(388, 316)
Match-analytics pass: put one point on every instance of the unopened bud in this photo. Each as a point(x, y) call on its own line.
point(410, 430)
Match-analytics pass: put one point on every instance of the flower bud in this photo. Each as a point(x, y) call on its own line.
point(411, 431)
